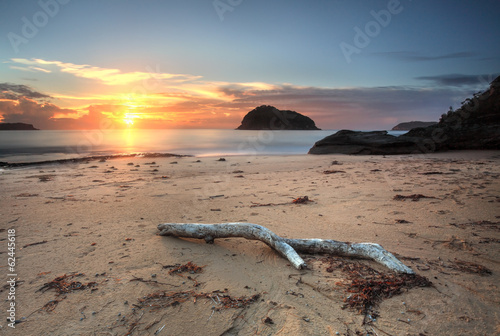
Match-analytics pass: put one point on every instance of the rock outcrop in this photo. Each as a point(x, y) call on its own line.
point(357, 142)
point(475, 125)
point(17, 127)
point(267, 117)
point(406, 126)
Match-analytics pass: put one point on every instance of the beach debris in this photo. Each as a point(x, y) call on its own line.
point(366, 287)
point(333, 171)
point(63, 284)
point(215, 196)
point(220, 299)
point(43, 178)
point(286, 247)
point(436, 173)
point(268, 320)
point(189, 267)
point(221, 159)
point(302, 200)
point(159, 329)
point(51, 305)
point(254, 205)
point(26, 195)
point(414, 197)
point(298, 200)
point(150, 281)
point(37, 243)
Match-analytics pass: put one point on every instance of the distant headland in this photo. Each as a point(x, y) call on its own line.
point(406, 126)
point(268, 117)
point(17, 127)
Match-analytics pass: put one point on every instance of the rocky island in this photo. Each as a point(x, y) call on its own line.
point(268, 117)
point(17, 127)
point(475, 125)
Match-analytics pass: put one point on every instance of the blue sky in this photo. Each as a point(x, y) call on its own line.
point(204, 64)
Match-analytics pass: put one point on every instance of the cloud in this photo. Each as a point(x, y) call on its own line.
point(459, 80)
point(354, 108)
point(30, 69)
point(104, 75)
point(28, 111)
point(413, 56)
point(16, 91)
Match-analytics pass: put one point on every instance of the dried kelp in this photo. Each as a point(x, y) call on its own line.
point(302, 200)
point(367, 287)
point(333, 171)
point(63, 284)
point(414, 197)
point(189, 267)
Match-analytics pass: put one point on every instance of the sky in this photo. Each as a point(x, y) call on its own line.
point(347, 64)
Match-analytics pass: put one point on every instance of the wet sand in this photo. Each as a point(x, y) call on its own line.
point(96, 222)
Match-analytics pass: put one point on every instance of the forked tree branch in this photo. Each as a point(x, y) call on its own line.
point(286, 247)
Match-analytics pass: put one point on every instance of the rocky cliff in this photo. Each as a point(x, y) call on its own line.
point(267, 117)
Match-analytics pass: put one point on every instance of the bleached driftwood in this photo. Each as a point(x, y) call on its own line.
point(286, 247)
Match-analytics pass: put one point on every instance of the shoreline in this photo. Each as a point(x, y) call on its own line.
point(82, 159)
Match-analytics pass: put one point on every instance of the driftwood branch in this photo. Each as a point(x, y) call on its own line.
point(286, 247)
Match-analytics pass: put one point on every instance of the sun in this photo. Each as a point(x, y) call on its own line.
point(128, 119)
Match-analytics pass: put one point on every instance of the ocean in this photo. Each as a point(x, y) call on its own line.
point(34, 146)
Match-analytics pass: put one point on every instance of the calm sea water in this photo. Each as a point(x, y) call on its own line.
point(31, 146)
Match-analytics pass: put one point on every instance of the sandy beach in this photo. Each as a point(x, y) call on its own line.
point(93, 227)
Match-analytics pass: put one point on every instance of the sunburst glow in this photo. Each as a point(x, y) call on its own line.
point(128, 119)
